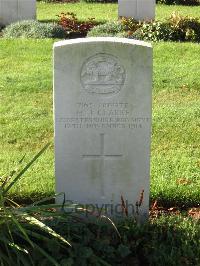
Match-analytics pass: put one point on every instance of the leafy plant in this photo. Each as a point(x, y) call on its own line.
point(176, 28)
point(28, 234)
point(21, 230)
point(108, 29)
point(183, 28)
point(69, 22)
point(130, 24)
point(155, 31)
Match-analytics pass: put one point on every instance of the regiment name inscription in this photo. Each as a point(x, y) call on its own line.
point(103, 115)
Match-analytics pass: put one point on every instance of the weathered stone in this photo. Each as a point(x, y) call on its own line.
point(102, 107)
point(16, 10)
point(137, 9)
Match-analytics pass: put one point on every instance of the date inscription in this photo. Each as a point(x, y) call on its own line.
point(103, 116)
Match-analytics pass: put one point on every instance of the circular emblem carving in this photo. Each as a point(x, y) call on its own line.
point(102, 74)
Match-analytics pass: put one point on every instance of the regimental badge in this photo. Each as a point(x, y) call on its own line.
point(102, 74)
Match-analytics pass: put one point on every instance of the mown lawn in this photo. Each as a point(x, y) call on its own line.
point(26, 120)
point(105, 12)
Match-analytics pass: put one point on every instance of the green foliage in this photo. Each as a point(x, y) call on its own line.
point(71, 25)
point(176, 28)
point(183, 28)
point(163, 241)
point(130, 24)
point(21, 231)
point(107, 29)
point(155, 31)
point(179, 2)
point(170, 240)
point(33, 29)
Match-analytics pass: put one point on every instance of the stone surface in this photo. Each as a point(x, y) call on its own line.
point(137, 9)
point(16, 10)
point(102, 108)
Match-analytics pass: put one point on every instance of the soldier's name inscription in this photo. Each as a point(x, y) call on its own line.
point(103, 109)
point(104, 115)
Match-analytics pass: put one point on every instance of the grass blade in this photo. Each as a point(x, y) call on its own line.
point(13, 245)
point(25, 169)
point(45, 228)
point(43, 252)
point(112, 223)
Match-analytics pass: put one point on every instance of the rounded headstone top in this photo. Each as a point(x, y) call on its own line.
point(103, 40)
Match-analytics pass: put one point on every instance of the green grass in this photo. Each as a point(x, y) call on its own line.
point(27, 122)
point(164, 11)
point(26, 105)
point(176, 120)
point(101, 12)
point(105, 12)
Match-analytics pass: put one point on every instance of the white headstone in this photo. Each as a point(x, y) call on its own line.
point(16, 10)
point(137, 9)
point(102, 108)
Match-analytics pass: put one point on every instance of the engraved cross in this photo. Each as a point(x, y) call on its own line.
point(102, 156)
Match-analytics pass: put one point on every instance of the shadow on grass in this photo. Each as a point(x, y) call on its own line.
point(164, 240)
point(49, 21)
point(167, 240)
